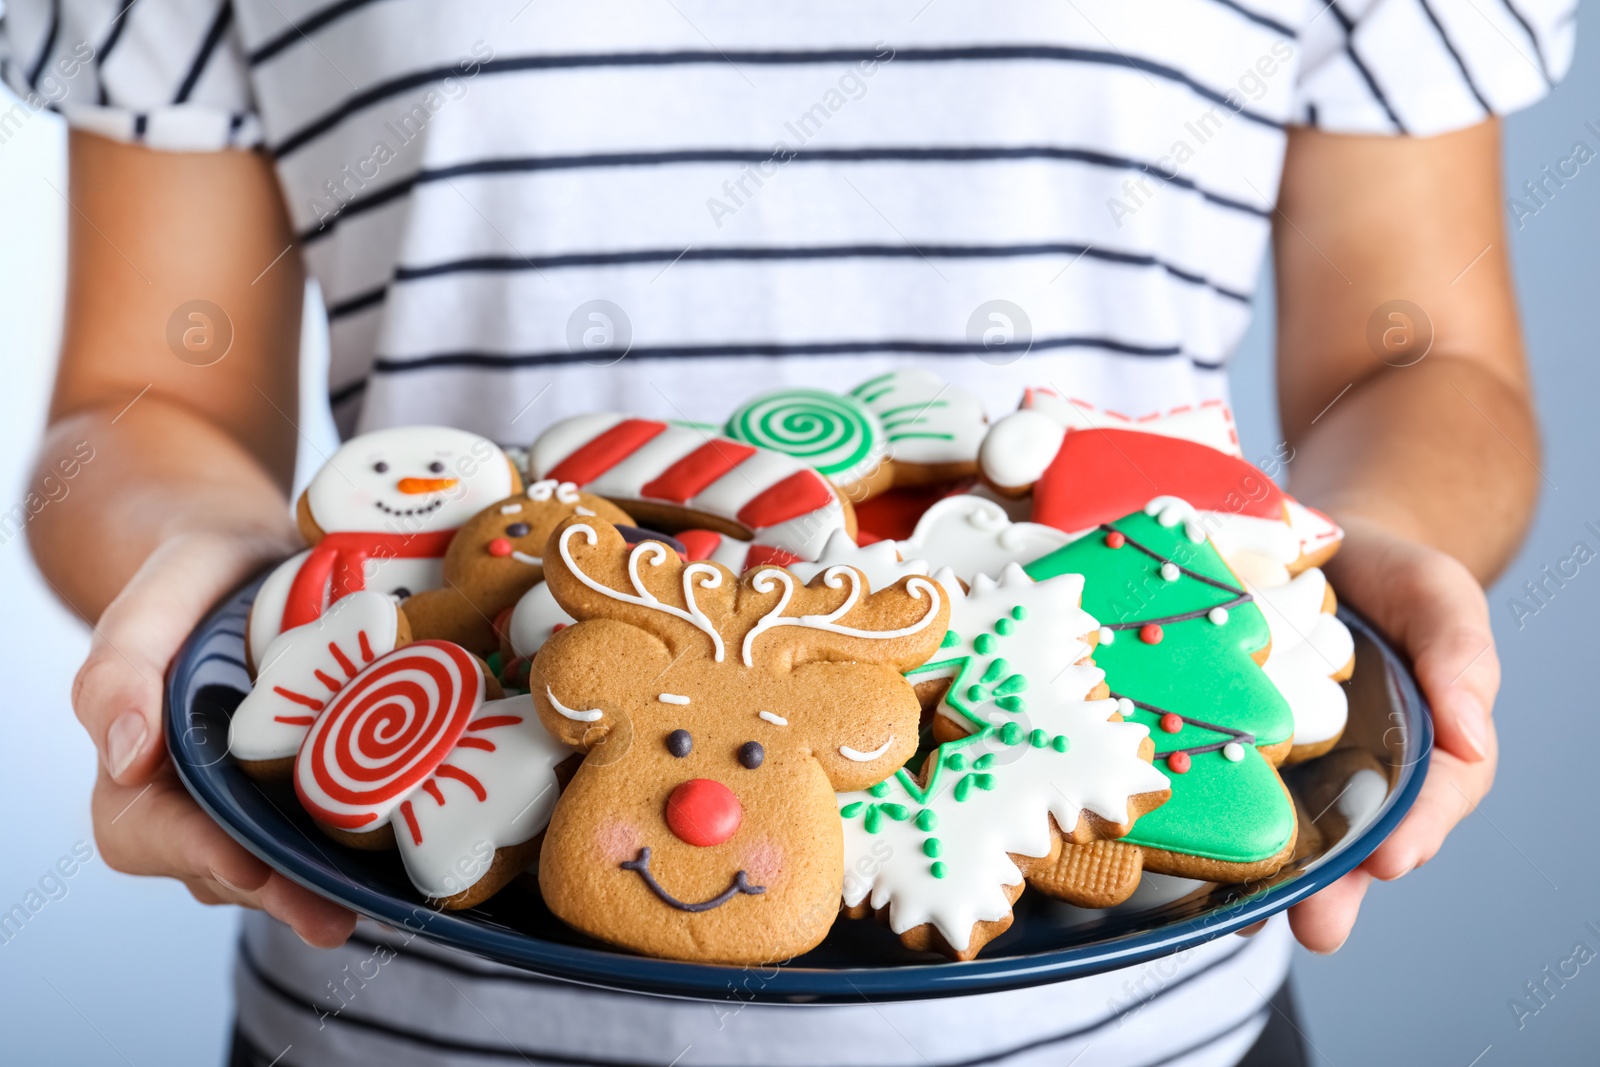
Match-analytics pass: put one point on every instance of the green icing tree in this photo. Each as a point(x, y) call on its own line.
point(1157, 595)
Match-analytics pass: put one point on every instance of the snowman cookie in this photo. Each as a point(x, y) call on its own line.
point(380, 515)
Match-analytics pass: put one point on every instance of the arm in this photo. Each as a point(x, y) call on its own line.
point(183, 496)
point(1431, 467)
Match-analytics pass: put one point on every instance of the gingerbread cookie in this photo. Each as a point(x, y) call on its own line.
point(302, 670)
point(418, 752)
point(494, 559)
point(379, 515)
point(1181, 644)
point(903, 428)
point(1036, 762)
point(718, 717)
point(673, 477)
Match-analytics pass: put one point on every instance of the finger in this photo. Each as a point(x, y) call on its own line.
point(158, 830)
point(1323, 922)
point(319, 922)
point(1446, 631)
point(1253, 929)
point(117, 692)
point(1450, 793)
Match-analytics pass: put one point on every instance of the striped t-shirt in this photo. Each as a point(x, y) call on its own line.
point(738, 197)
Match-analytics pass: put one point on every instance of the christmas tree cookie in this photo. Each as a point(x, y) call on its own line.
point(1181, 644)
point(1033, 763)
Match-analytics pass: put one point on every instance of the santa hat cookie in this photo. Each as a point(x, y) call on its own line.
point(410, 753)
point(379, 515)
point(1084, 467)
point(674, 477)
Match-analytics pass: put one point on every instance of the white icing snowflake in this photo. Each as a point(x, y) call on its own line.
point(973, 536)
point(1308, 647)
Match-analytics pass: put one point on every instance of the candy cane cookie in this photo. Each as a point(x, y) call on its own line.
point(673, 477)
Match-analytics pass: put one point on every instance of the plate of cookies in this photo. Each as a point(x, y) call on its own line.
point(854, 695)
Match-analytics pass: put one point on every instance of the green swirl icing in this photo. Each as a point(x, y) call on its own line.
point(836, 434)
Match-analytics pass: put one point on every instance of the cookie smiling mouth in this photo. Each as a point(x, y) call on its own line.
point(740, 884)
point(400, 513)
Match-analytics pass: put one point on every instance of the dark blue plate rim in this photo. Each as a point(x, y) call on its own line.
point(208, 781)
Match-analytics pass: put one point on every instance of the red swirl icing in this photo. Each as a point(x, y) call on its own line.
point(386, 732)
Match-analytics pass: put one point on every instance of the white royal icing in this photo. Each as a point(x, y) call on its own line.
point(672, 698)
point(349, 494)
point(1208, 423)
point(695, 574)
point(1019, 448)
point(925, 419)
point(300, 673)
point(535, 619)
point(973, 536)
point(776, 720)
point(586, 715)
point(770, 578)
point(458, 836)
point(865, 757)
point(1099, 772)
point(266, 611)
point(1308, 646)
point(879, 561)
point(1046, 647)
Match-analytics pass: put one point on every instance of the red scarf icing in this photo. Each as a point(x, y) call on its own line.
point(343, 557)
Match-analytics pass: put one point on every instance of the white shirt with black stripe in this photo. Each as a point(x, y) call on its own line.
point(790, 194)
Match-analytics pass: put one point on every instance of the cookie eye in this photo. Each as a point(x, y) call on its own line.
point(518, 529)
point(380, 466)
point(436, 467)
point(679, 743)
point(751, 754)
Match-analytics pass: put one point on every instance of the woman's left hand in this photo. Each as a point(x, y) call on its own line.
point(1433, 609)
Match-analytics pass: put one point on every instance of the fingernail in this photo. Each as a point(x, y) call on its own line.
point(1474, 723)
point(124, 740)
point(1335, 948)
point(215, 877)
point(308, 944)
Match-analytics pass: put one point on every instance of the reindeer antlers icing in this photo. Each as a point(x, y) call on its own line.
point(642, 597)
point(709, 576)
point(833, 578)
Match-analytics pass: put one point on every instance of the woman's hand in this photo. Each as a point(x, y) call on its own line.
point(1434, 610)
point(144, 821)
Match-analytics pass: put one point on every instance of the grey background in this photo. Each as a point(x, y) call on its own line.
point(123, 970)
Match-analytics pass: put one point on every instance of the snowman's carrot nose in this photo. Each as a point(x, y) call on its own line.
point(426, 485)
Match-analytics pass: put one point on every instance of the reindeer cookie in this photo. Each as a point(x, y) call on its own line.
point(379, 515)
point(718, 717)
point(417, 752)
point(494, 559)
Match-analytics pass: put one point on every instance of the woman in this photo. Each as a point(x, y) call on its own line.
point(499, 198)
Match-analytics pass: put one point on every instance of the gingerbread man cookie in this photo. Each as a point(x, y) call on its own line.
point(494, 559)
point(718, 716)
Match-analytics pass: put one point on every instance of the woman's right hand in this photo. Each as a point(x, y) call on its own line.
point(145, 822)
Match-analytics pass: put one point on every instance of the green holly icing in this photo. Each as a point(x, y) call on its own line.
point(1220, 810)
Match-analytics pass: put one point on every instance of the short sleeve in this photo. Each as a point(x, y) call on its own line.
point(1424, 67)
point(170, 74)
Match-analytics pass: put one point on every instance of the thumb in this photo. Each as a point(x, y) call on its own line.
point(117, 693)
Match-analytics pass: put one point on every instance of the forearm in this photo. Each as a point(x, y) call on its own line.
point(146, 475)
point(1444, 452)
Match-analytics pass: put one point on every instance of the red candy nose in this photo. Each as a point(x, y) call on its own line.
point(702, 812)
point(499, 547)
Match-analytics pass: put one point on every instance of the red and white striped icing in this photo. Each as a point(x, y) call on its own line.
point(787, 506)
point(385, 733)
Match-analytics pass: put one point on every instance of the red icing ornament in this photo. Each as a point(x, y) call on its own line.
point(499, 547)
point(1116, 539)
point(1178, 763)
point(1150, 633)
point(702, 812)
point(1171, 722)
